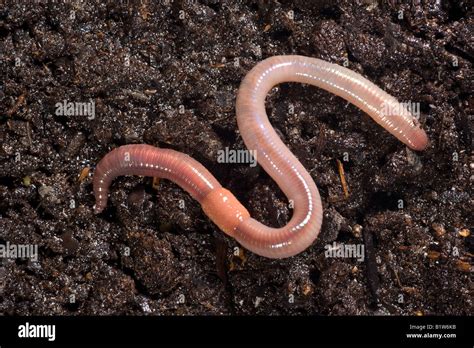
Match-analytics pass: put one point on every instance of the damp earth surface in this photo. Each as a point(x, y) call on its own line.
point(166, 74)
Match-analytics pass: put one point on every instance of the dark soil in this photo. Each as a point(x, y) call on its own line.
point(167, 75)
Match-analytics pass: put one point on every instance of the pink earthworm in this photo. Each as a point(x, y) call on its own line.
point(219, 204)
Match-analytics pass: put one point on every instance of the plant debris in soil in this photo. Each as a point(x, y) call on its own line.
point(166, 74)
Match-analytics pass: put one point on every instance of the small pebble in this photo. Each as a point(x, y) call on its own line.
point(464, 233)
point(307, 289)
point(27, 181)
point(439, 229)
point(433, 255)
point(357, 230)
point(463, 266)
point(44, 190)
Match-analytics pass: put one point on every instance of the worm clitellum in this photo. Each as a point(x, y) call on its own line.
point(219, 204)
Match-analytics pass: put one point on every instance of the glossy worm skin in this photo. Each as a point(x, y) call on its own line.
point(277, 160)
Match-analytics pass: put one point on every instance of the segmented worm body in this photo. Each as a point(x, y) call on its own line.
point(219, 204)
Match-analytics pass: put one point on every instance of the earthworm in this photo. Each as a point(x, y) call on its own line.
point(219, 204)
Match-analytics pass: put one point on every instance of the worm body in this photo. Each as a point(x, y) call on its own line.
point(220, 204)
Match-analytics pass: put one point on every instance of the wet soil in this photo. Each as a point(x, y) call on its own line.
point(166, 73)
